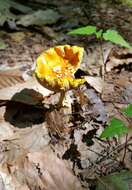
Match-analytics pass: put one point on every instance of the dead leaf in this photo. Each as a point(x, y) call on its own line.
point(5, 182)
point(9, 92)
point(55, 172)
point(117, 87)
point(39, 18)
point(2, 186)
point(59, 121)
point(96, 82)
point(32, 139)
point(94, 106)
point(18, 37)
point(117, 57)
point(92, 61)
point(10, 78)
point(6, 130)
point(7, 15)
point(49, 32)
point(89, 153)
point(41, 170)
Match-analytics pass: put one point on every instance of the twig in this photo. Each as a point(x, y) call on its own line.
point(125, 148)
point(116, 148)
point(103, 62)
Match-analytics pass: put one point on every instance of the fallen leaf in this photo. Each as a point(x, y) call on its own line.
point(18, 37)
point(39, 18)
point(97, 108)
point(56, 174)
point(9, 92)
point(8, 79)
point(41, 170)
point(96, 82)
point(49, 31)
point(32, 139)
point(117, 57)
point(92, 61)
point(7, 15)
point(91, 150)
point(117, 87)
point(5, 182)
point(59, 121)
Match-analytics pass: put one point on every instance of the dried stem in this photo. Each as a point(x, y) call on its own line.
point(125, 149)
point(103, 62)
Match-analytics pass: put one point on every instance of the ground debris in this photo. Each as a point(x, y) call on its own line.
point(39, 18)
point(42, 144)
point(40, 170)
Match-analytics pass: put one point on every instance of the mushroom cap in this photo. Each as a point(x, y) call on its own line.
point(56, 66)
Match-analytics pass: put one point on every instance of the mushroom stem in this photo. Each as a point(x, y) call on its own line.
point(62, 96)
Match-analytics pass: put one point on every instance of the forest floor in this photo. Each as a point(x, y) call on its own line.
point(43, 147)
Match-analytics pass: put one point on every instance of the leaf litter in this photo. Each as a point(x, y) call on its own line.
point(42, 145)
point(34, 139)
point(86, 104)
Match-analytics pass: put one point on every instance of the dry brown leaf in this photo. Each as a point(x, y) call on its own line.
point(94, 105)
point(9, 92)
point(6, 129)
point(54, 172)
point(41, 170)
point(89, 153)
point(10, 78)
point(33, 139)
point(96, 82)
point(92, 61)
point(59, 121)
point(2, 186)
point(15, 142)
point(61, 175)
point(117, 87)
point(118, 56)
point(18, 37)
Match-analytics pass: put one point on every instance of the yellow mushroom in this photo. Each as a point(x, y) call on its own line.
point(56, 66)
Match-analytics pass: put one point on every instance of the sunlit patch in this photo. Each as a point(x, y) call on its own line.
point(55, 67)
point(43, 60)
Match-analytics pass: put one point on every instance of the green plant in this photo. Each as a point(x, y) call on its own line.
point(108, 35)
point(117, 127)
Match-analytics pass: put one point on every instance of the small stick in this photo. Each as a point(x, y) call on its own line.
point(62, 96)
point(125, 149)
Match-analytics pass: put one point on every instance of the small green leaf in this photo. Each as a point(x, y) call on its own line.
point(128, 110)
point(115, 37)
point(116, 181)
point(87, 30)
point(115, 127)
point(99, 34)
